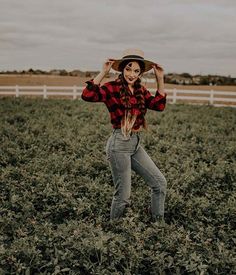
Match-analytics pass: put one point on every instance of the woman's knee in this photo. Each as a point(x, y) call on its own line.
point(160, 184)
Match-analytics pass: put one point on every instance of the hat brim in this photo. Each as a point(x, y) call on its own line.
point(148, 64)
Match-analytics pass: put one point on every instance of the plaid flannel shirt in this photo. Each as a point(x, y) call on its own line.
point(109, 94)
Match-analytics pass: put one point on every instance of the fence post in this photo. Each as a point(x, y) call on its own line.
point(174, 95)
point(74, 92)
point(17, 91)
point(44, 91)
point(212, 97)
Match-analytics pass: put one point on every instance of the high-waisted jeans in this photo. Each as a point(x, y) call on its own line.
point(126, 154)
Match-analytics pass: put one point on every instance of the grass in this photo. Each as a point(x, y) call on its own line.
point(56, 190)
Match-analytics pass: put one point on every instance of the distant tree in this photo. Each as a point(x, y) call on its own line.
point(87, 74)
point(204, 80)
point(63, 72)
point(31, 71)
point(187, 75)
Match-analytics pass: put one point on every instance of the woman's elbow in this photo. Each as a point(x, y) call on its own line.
point(161, 107)
point(86, 96)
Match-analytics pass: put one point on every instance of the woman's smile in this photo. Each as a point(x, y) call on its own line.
point(131, 72)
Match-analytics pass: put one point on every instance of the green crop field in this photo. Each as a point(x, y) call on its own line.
point(56, 190)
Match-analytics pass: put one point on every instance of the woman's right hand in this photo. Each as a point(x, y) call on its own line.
point(105, 70)
point(107, 65)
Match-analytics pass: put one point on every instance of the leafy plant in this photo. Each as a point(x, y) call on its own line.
point(56, 189)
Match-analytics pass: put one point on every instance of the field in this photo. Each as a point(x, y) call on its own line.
point(52, 80)
point(56, 190)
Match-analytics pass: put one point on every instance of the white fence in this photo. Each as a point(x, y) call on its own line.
point(212, 97)
point(45, 91)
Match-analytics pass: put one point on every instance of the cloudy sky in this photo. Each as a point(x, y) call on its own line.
point(195, 36)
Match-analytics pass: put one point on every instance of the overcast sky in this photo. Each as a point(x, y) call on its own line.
point(195, 36)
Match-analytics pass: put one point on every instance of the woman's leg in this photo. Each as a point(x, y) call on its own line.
point(120, 164)
point(143, 165)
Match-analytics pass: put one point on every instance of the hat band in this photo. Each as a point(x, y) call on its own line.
point(132, 56)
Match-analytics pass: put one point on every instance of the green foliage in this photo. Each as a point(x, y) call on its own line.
point(56, 189)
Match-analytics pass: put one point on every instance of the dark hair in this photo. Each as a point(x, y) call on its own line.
point(127, 61)
point(124, 95)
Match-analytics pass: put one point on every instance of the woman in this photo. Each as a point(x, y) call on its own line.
point(127, 101)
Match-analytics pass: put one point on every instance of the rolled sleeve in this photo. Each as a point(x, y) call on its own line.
point(94, 92)
point(157, 102)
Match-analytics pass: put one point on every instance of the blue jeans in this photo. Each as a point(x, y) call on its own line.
point(126, 154)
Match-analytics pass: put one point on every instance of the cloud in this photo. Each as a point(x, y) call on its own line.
point(183, 35)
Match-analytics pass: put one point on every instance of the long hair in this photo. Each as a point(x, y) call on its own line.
point(138, 88)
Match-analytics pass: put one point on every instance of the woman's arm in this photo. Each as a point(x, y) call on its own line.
point(105, 70)
point(158, 101)
point(159, 74)
point(93, 92)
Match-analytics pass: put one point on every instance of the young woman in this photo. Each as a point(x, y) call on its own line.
point(127, 102)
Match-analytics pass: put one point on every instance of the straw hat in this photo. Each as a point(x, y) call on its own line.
point(133, 55)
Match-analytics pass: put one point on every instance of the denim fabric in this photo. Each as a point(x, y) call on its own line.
point(123, 155)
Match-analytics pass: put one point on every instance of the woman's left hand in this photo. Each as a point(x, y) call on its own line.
point(158, 70)
point(159, 73)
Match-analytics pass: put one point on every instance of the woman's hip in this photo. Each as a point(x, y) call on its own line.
point(118, 143)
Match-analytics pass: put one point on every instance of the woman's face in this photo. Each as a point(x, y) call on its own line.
point(131, 72)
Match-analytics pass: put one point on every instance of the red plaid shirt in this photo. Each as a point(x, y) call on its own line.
point(109, 93)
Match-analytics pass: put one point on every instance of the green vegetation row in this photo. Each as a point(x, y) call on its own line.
point(56, 189)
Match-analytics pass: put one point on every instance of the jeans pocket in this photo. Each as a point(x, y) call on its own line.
point(122, 144)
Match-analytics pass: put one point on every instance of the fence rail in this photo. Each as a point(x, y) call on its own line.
point(212, 97)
